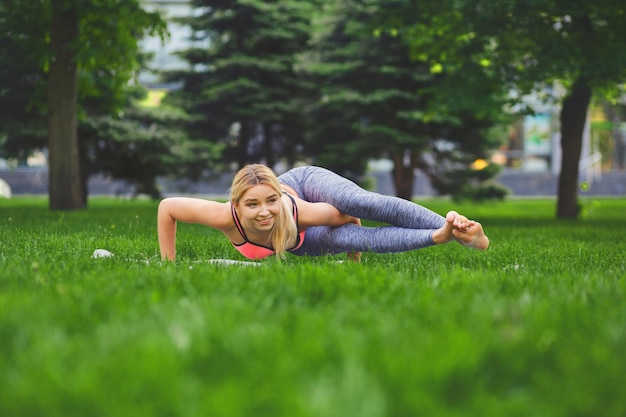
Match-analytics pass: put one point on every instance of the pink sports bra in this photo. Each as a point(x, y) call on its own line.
point(255, 251)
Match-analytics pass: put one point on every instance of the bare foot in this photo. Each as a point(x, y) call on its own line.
point(457, 221)
point(472, 236)
point(444, 234)
point(467, 232)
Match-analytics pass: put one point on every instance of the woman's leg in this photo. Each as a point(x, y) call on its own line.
point(412, 226)
point(317, 184)
point(325, 240)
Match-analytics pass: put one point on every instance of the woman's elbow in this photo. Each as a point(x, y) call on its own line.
point(165, 204)
point(164, 210)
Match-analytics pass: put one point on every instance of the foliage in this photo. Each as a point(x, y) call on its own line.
point(260, 93)
point(108, 60)
point(521, 41)
point(533, 326)
point(143, 144)
point(376, 101)
point(337, 82)
point(528, 45)
point(109, 53)
point(244, 83)
point(23, 55)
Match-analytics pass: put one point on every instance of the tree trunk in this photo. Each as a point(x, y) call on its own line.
point(242, 144)
point(573, 119)
point(83, 167)
point(403, 175)
point(270, 158)
point(65, 191)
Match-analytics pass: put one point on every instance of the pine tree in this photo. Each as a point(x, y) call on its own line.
point(378, 101)
point(244, 89)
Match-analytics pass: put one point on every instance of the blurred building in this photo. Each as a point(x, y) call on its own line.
point(164, 53)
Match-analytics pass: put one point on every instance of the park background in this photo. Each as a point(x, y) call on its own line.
point(450, 126)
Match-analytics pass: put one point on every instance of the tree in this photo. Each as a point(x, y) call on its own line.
point(85, 68)
point(63, 161)
point(375, 100)
point(529, 45)
point(244, 89)
point(143, 144)
point(22, 77)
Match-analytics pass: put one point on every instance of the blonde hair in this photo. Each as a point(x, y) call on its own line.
point(284, 232)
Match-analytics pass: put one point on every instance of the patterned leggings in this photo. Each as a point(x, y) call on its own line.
point(410, 226)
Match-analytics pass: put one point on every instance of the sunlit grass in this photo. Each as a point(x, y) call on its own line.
point(536, 326)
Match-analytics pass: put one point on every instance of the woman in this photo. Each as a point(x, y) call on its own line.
point(312, 211)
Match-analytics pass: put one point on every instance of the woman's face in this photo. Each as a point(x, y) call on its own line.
point(258, 208)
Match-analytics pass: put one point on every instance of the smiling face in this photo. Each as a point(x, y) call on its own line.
point(258, 208)
point(256, 195)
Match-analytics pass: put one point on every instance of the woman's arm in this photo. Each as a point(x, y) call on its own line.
point(324, 214)
point(188, 210)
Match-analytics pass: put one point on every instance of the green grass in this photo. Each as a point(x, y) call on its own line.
point(536, 326)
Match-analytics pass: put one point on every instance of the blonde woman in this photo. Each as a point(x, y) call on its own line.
point(312, 211)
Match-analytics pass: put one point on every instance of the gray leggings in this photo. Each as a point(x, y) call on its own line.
point(410, 226)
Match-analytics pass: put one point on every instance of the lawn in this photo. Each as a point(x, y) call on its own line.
point(535, 326)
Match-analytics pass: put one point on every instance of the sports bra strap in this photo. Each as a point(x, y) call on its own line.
point(237, 222)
